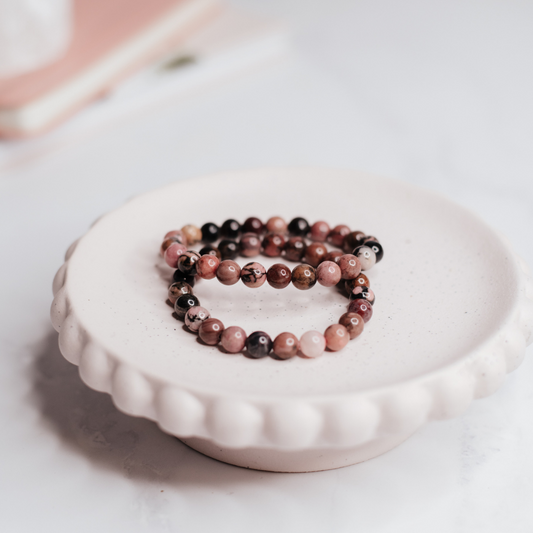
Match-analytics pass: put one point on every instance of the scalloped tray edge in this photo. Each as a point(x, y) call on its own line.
point(295, 424)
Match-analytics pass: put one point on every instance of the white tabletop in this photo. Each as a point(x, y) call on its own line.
point(437, 94)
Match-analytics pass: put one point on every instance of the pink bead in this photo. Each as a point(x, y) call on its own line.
point(228, 272)
point(173, 233)
point(253, 275)
point(350, 266)
point(337, 234)
point(312, 344)
point(173, 252)
point(207, 265)
point(286, 345)
point(233, 339)
point(337, 337)
point(210, 331)
point(320, 231)
point(328, 273)
point(276, 225)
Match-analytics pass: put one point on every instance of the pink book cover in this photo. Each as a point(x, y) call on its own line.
point(100, 28)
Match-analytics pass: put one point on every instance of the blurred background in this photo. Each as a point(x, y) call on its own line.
point(103, 100)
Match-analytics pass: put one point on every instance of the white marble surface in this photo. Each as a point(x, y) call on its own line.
point(437, 94)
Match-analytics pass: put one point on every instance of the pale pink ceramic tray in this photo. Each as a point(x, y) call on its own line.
point(453, 315)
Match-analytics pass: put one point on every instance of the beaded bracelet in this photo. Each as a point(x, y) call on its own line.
point(332, 267)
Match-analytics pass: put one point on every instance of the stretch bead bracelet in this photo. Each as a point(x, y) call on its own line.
point(332, 267)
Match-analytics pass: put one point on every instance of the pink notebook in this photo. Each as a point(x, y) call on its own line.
point(112, 38)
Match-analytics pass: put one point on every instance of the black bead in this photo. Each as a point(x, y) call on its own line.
point(187, 262)
point(180, 276)
point(363, 293)
point(253, 225)
point(299, 227)
point(376, 248)
point(231, 229)
point(210, 250)
point(184, 303)
point(210, 232)
point(228, 249)
point(259, 344)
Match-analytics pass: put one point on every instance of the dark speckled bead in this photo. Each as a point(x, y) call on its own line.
point(279, 276)
point(178, 289)
point(294, 249)
point(187, 262)
point(209, 249)
point(231, 229)
point(354, 323)
point(376, 248)
point(315, 253)
point(361, 307)
point(299, 227)
point(184, 303)
point(250, 245)
point(304, 277)
point(180, 276)
point(363, 293)
point(210, 232)
point(253, 225)
point(258, 344)
point(359, 281)
point(273, 244)
point(353, 239)
point(228, 249)
point(337, 234)
point(253, 275)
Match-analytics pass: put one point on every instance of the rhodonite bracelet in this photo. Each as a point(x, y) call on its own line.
point(331, 268)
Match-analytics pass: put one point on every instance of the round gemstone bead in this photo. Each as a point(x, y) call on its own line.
point(337, 234)
point(210, 250)
point(258, 344)
point(273, 244)
point(376, 248)
point(353, 239)
point(363, 293)
point(279, 276)
point(174, 233)
point(354, 323)
point(312, 344)
point(333, 256)
point(252, 225)
point(178, 289)
point(250, 245)
point(210, 232)
point(328, 273)
point(299, 227)
point(187, 262)
point(285, 345)
point(337, 337)
point(169, 241)
point(359, 281)
point(231, 229)
point(173, 252)
point(320, 231)
point(315, 253)
point(366, 257)
point(276, 225)
point(210, 331)
point(180, 276)
point(184, 303)
point(304, 277)
point(233, 339)
point(253, 275)
point(350, 266)
point(228, 249)
point(228, 272)
point(294, 249)
point(361, 307)
point(207, 266)
point(195, 316)
point(192, 234)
